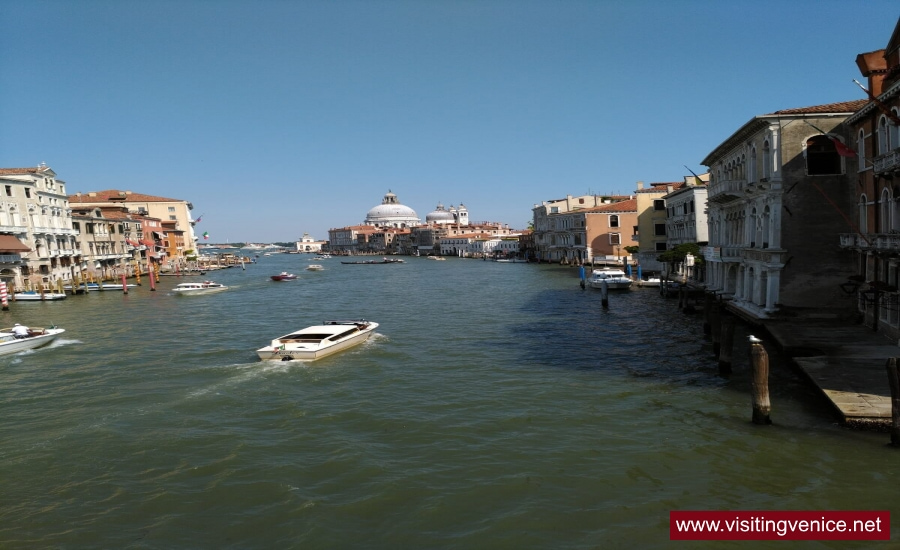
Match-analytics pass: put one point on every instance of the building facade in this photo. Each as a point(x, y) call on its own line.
point(38, 244)
point(875, 239)
point(776, 195)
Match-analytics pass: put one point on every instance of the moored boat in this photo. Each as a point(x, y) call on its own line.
point(204, 287)
point(36, 337)
point(612, 277)
point(33, 296)
point(318, 341)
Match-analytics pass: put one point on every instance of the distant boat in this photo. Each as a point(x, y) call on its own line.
point(314, 267)
point(376, 262)
point(284, 276)
point(32, 296)
point(205, 287)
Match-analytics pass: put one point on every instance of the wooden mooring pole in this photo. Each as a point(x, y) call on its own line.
point(708, 301)
point(727, 344)
point(894, 383)
point(759, 360)
point(716, 321)
point(604, 294)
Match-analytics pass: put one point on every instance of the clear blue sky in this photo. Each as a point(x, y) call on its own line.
point(277, 117)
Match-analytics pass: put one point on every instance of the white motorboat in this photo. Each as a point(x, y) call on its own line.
point(614, 278)
point(36, 338)
point(318, 341)
point(204, 287)
point(314, 267)
point(33, 296)
point(650, 281)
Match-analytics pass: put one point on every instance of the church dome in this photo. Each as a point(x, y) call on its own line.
point(440, 215)
point(390, 213)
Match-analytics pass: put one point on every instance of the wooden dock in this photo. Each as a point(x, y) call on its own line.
point(847, 363)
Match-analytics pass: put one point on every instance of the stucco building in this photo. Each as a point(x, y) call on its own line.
point(777, 191)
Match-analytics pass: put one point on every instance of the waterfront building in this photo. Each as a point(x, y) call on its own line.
point(37, 240)
point(875, 241)
point(777, 191)
point(468, 245)
point(507, 247)
point(309, 244)
point(686, 220)
point(155, 208)
point(455, 215)
point(390, 213)
point(350, 239)
point(107, 250)
point(652, 238)
point(553, 240)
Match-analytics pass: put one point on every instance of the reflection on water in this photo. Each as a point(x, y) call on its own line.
point(498, 405)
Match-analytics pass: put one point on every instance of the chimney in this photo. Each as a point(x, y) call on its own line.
point(668, 188)
point(640, 185)
point(873, 66)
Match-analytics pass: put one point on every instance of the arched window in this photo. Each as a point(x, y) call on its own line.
point(861, 149)
point(895, 209)
point(751, 174)
point(767, 161)
point(863, 215)
point(613, 220)
point(766, 221)
point(885, 210)
point(883, 136)
point(754, 229)
point(893, 134)
point(821, 156)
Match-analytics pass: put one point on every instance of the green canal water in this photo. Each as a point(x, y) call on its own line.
point(498, 406)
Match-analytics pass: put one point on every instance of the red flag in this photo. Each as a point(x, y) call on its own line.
point(842, 149)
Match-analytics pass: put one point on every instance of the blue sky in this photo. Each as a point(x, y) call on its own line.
point(277, 117)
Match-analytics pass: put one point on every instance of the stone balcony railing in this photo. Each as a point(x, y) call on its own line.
point(875, 242)
point(10, 258)
point(888, 162)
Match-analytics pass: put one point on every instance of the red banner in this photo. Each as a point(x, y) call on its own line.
point(780, 525)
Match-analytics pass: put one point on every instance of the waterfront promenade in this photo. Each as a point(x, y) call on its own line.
point(846, 363)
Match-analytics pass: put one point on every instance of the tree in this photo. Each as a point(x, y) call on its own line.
point(676, 255)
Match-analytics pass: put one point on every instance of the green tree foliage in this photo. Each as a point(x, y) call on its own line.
point(677, 254)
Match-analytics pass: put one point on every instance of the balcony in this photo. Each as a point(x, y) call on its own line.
point(873, 242)
point(10, 258)
point(725, 191)
point(888, 162)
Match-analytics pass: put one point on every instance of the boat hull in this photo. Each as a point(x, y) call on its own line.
point(312, 352)
point(9, 344)
point(612, 284)
point(37, 297)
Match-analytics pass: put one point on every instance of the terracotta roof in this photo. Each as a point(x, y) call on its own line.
point(114, 195)
point(841, 107)
point(15, 171)
point(661, 187)
point(621, 206)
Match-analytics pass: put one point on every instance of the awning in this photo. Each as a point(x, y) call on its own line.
point(132, 243)
point(9, 243)
point(148, 243)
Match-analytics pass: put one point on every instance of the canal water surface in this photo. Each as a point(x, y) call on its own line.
point(498, 406)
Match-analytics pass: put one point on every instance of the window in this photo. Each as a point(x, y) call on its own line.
point(9, 190)
point(767, 161)
point(863, 215)
point(659, 229)
point(893, 138)
point(613, 220)
point(659, 204)
point(28, 192)
point(171, 209)
point(883, 143)
point(554, 210)
point(660, 247)
point(821, 157)
point(580, 201)
point(615, 238)
point(861, 149)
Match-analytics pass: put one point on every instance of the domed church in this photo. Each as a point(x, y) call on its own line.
point(390, 213)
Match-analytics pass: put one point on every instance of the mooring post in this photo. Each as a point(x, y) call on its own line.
point(716, 321)
point(760, 390)
point(680, 297)
point(707, 312)
point(727, 344)
point(894, 383)
point(604, 294)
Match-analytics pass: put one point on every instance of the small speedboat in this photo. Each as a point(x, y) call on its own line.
point(611, 277)
point(284, 276)
point(314, 267)
point(318, 341)
point(36, 338)
point(650, 281)
point(33, 296)
point(205, 287)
